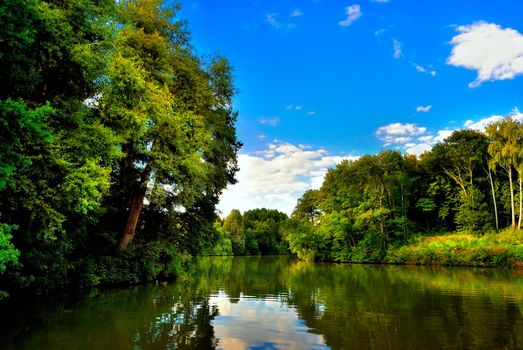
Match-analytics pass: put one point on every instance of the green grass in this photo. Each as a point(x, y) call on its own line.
point(495, 249)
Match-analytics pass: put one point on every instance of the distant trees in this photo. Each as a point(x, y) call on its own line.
point(233, 225)
point(377, 202)
point(258, 231)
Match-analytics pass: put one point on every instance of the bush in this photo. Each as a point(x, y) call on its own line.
point(501, 249)
point(141, 263)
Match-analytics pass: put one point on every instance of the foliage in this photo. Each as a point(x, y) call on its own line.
point(371, 209)
point(256, 232)
point(117, 139)
point(492, 249)
point(8, 253)
point(144, 262)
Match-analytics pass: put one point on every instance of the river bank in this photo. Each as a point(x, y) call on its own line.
point(503, 249)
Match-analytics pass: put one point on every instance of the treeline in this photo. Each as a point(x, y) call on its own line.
point(256, 232)
point(116, 141)
point(368, 208)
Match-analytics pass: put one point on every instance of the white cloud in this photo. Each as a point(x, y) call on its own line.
point(419, 68)
point(311, 113)
point(353, 12)
point(426, 142)
point(398, 133)
point(277, 176)
point(262, 137)
point(423, 109)
point(424, 70)
point(379, 32)
point(396, 46)
point(415, 139)
point(482, 123)
point(272, 121)
point(418, 149)
point(271, 18)
point(426, 139)
point(495, 53)
point(442, 135)
point(276, 23)
point(296, 13)
point(401, 129)
point(402, 139)
point(294, 107)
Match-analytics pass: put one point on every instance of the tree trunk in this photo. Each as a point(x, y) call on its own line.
point(132, 218)
point(493, 198)
point(512, 198)
point(520, 200)
point(381, 206)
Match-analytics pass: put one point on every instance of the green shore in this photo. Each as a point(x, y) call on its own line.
point(503, 249)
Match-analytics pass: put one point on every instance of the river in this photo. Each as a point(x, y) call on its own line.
point(284, 303)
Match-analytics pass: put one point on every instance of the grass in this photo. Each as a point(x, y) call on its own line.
point(494, 249)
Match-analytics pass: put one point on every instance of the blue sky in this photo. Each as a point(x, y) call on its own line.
point(323, 80)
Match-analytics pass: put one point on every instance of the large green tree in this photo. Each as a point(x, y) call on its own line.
point(105, 108)
point(172, 112)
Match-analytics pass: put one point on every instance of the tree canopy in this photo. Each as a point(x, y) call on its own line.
point(368, 207)
point(117, 140)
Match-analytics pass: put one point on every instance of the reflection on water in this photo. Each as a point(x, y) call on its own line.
point(261, 323)
point(282, 303)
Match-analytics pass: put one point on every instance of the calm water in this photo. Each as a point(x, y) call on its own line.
point(282, 303)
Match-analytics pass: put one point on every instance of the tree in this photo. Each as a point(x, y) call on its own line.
point(233, 225)
point(308, 206)
point(262, 229)
point(57, 155)
point(172, 114)
point(504, 148)
point(105, 109)
point(461, 157)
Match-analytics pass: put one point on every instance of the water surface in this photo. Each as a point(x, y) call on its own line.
point(283, 303)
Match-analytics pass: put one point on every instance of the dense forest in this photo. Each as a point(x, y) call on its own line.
point(117, 139)
point(256, 232)
point(399, 208)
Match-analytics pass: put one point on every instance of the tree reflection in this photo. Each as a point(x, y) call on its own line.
point(345, 306)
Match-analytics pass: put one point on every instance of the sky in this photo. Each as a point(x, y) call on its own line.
point(320, 81)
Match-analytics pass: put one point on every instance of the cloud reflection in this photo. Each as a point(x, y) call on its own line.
point(253, 323)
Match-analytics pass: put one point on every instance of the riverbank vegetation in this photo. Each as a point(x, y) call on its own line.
point(117, 139)
point(395, 208)
point(445, 207)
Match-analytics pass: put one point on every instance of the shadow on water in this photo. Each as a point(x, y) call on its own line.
point(280, 302)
